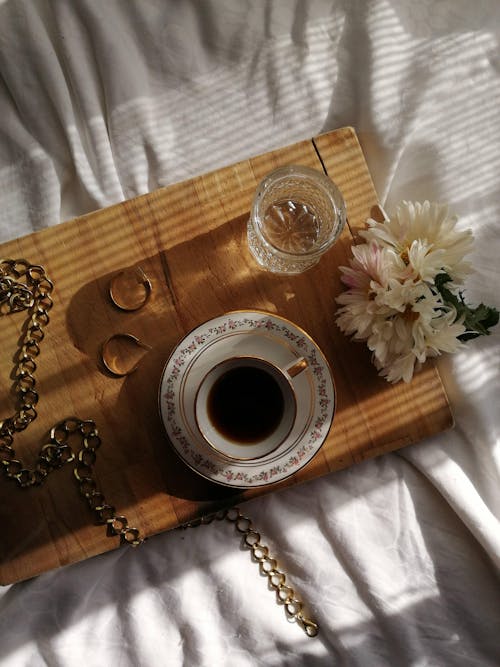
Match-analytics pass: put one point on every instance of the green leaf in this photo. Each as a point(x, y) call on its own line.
point(477, 321)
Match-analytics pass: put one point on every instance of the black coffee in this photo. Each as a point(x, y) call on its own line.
point(245, 404)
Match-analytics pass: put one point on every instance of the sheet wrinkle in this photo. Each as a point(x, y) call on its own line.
point(18, 130)
point(89, 102)
point(347, 559)
point(51, 84)
point(299, 23)
point(106, 115)
point(481, 523)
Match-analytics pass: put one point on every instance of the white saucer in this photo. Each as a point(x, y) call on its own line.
point(250, 333)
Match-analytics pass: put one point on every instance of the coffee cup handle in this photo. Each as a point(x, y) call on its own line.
point(295, 367)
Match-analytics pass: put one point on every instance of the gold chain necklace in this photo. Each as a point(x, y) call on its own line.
point(26, 287)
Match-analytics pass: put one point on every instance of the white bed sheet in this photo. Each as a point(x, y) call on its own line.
point(397, 558)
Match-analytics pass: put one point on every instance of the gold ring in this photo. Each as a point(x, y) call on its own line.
point(108, 358)
point(142, 279)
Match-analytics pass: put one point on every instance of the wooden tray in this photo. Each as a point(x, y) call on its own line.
point(190, 238)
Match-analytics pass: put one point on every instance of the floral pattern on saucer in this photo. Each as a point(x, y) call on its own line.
point(266, 470)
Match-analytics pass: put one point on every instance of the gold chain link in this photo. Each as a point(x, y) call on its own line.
point(268, 566)
point(25, 286)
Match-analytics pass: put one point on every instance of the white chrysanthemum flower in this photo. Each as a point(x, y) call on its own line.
point(368, 274)
point(401, 293)
point(371, 262)
point(393, 300)
point(357, 316)
point(426, 239)
point(443, 334)
point(401, 368)
point(402, 321)
point(421, 331)
point(424, 263)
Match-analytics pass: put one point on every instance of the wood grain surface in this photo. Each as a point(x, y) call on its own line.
point(190, 239)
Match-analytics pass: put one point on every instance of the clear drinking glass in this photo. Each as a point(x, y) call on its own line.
point(297, 214)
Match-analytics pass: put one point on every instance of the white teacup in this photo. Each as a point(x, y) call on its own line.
point(245, 406)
